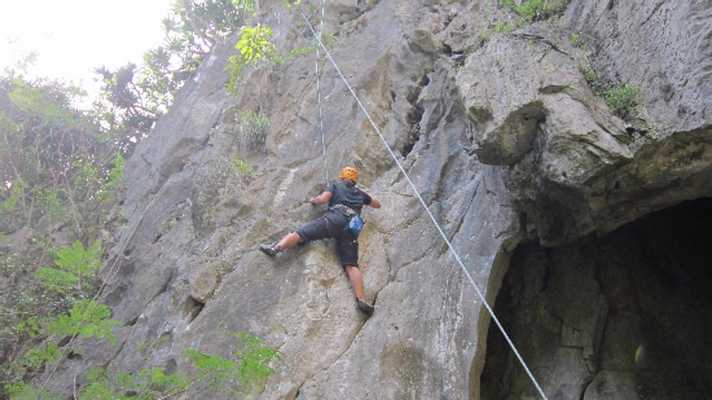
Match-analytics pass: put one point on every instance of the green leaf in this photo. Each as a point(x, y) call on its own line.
point(56, 279)
point(37, 101)
point(30, 326)
point(87, 318)
point(38, 356)
point(254, 360)
point(622, 99)
point(79, 260)
point(253, 45)
point(24, 391)
point(113, 178)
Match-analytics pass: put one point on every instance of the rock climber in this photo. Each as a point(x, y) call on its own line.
point(341, 222)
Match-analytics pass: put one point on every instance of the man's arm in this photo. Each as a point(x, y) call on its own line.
point(374, 203)
point(323, 198)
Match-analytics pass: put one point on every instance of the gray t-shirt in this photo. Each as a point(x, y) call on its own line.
point(346, 193)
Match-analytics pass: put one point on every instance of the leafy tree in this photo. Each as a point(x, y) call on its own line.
point(134, 97)
point(254, 45)
point(52, 158)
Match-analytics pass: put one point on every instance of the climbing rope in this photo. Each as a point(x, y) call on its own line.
point(427, 210)
point(318, 98)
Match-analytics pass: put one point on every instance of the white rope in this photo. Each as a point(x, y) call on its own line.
point(427, 210)
point(318, 98)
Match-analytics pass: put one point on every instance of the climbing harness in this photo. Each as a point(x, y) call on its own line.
point(451, 248)
point(356, 223)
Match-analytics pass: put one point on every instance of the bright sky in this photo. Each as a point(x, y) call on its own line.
point(73, 37)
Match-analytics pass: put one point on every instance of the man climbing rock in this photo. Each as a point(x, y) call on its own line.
point(342, 222)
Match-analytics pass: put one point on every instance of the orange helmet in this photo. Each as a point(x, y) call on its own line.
point(350, 173)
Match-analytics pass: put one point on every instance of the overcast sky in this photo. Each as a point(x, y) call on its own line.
point(72, 37)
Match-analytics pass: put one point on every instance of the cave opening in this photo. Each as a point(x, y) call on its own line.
point(623, 316)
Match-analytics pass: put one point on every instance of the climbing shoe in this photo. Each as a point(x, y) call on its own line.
point(364, 307)
point(269, 249)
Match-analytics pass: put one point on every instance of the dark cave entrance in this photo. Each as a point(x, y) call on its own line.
point(626, 316)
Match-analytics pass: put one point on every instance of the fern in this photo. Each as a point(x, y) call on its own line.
point(253, 368)
point(56, 279)
point(215, 371)
point(249, 372)
point(23, 391)
point(30, 327)
point(36, 357)
point(73, 264)
point(87, 318)
point(147, 384)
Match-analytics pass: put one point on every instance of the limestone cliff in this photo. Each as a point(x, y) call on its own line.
point(502, 134)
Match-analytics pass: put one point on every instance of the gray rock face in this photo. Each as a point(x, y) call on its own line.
point(663, 48)
point(576, 168)
point(502, 136)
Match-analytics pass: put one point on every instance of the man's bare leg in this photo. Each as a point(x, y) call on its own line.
point(356, 279)
point(287, 242)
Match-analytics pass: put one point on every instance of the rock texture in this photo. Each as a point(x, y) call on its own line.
point(620, 317)
point(500, 133)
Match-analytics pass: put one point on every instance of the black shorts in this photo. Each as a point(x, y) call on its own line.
point(333, 225)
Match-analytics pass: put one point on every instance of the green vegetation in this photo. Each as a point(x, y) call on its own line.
point(37, 337)
point(576, 40)
point(622, 99)
point(254, 45)
point(249, 6)
point(40, 102)
point(292, 3)
point(253, 367)
point(243, 168)
point(252, 130)
point(87, 319)
point(23, 391)
point(536, 10)
point(51, 159)
point(113, 178)
point(504, 27)
point(246, 373)
point(135, 96)
point(61, 172)
point(73, 265)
